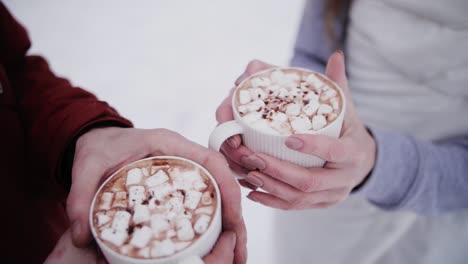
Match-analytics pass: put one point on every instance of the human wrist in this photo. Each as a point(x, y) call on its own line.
point(370, 159)
point(64, 176)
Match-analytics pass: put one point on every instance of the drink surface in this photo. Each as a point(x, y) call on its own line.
point(154, 208)
point(288, 101)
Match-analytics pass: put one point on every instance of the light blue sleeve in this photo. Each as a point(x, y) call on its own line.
point(311, 50)
point(424, 177)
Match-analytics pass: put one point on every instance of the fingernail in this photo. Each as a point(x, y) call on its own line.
point(232, 142)
point(240, 78)
point(254, 180)
point(340, 52)
point(253, 162)
point(251, 198)
point(247, 185)
point(294, 143)
point(232, 238)
point(76, 230)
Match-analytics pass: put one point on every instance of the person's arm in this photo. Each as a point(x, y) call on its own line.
point(56, 114)
point(53, 111)
point(421, 176)
point(313, 46)
point(409, 174)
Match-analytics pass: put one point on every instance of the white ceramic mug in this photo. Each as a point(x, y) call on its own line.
point(274, 145)
point(192, 254)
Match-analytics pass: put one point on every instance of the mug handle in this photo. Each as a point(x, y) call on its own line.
point(223, 132)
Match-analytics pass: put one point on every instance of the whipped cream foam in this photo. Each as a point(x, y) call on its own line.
point(155, 208)
point(288, 101)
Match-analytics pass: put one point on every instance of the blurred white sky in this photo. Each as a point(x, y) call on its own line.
point(165, 63)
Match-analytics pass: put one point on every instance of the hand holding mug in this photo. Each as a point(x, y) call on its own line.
point(102, 151)
point(287, 186)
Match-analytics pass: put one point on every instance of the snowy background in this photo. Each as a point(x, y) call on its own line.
point(165, 63)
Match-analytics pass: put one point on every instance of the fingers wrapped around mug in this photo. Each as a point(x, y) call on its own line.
point(291, 187)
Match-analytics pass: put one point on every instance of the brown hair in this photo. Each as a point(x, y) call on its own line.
point(335, 10)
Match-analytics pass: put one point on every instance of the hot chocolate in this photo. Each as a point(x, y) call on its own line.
point(288, 101)
point(154, 208)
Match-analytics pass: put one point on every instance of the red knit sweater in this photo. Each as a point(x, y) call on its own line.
point(41, 116)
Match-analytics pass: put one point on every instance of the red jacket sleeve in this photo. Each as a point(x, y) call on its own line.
point(53, 112)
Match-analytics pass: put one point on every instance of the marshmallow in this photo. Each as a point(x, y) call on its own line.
point(134, 176)
point(154, 169)
point(310, 108)
point(171, 233)
point(199, 185)
point(291, 87)
point(315, 81)
point(155, 204)
point(282, 93)
point(277, 76)
point(181, 245)
point(145, 252)
point(292, 77)
point(116, 237)
point(192, 198)
point(273, 88)
point(202, 224)
point(206, 198)
point(260, 82)
point(311, 96)
point(328, 94)
point(331, 117)
point(252, 117)
point(171, 215)
point(121, 220)
point(280, 117)
point(257, 93)
point(242, 109)
point(119, 185)
point(294, 92)
point(145, 172)
point(120, 200)
point(125, 250)
point(318, 122)
point(208, 210)
point(159, 224)
point(102, 219)
point(175, 203)
point(335, 103)
point(244, 97)
point(136, 195)
point(301, 123)
point(164, 248)
point(106, 200)
point(158, 178)
point(293, 109)
point(160, 191)
point(184, 180)
point(255, 105)
point(141, 214)
point(141, 237)
point(184, 229)
point(324, 109)
point(186, 214)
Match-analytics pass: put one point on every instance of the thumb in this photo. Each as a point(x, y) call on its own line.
point(336, 70)
point(254, 66)
point(85, 181)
